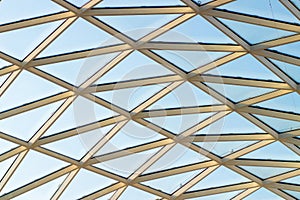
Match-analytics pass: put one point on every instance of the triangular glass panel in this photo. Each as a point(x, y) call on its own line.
point(292, 70)
point(28, 172)
point(293, 180)
point(133, 193)
point(105, 197)
point(224, 148)
point(179, 123)
point(134, 66)
point(263, 194)
point(129, 98)
point(189, 60)
point(195, 30)
point(6, 145)
point(19, 43)
point(178, 156)
point(229, 177)
point(262, 8)
point(231, 124)
point(78, 71)
point(238, 93)
point(44, 191)
point(249, 31)
point(289, 103)
point(77, 146)
point(28, 122)
point(71, 39)
point(84, 183)
point(138, 3)
point(265, 172)
point(202, 2)
point(225, 196)
point(273, 151)
point(4, 166)
point(246, 67)
point(171, 183)
point(27, 88)
point(26, 9)
point(291, 49)
point(78, 3)
point(280, 125)
point(137, 26)
point(4, 63)
point(293, 193)
point(132, 134)
point(186, 95)
point(3, 78)
point(126, 165)
point(81, 112)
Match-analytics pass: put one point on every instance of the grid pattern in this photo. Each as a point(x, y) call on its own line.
point(189, 138)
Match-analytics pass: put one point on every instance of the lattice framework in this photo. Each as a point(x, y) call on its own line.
point(196, 77)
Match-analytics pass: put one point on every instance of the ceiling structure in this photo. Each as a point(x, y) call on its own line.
point(243, 75)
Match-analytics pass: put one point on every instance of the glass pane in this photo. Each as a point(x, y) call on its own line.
point(3, 63)
point(189, 60)
point(291, 70)
point(185, 95)
point(246, 67)
point(273, 151)
point(77, 146)
point(263, 194)
point(289, 103)
point(137, 26)
point(280, 125)
point(28, 122)
point(225, 196)
point(238, 93)
point(292, 49)
point(26, 88)
point(186, 32)
point(230, 124)
point(180, 123)
point(78, 71)
point(134, 66)
point(130, 98)
point(266, 172)
point(84, 183)
point(138, 3)
point(47, 190)
point(71, 39)
point(131, 193)
point(26, 9)
point(132, 134)
point(172, 183)
point(126, 165)
point(249, 31)
point(213, 180)
point(222, 149)
point(20, 42)
point(263, 8)
point(27, 172)
point(178, 156)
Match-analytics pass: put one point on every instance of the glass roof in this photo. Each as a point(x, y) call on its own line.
point(152, 100)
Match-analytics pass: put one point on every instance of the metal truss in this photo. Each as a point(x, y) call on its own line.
point(139, 114)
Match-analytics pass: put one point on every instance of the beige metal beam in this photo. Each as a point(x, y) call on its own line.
point(103, 191)
point(264, 163)
point(291, 7)
point(219, 190)
point(253, 20)
point(138, 11)
point(192, 47)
